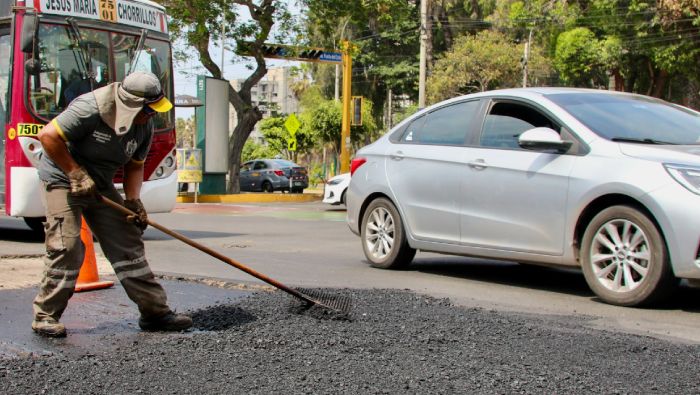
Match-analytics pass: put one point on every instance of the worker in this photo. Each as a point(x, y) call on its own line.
point(98, 133)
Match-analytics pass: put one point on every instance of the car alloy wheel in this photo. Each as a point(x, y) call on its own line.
point(624, 258)
point(380, 233)
point(383, 239)
point(620, 255)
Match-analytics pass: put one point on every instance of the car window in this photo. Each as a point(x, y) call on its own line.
point(447, 125)
point(506, 121)
point(246, 166)
point(412, 129)
point(259, 166)
point(284, 163)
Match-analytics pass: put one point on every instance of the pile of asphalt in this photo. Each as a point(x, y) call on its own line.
point(395, 342)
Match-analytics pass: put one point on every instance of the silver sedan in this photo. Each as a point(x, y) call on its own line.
point(605, 181)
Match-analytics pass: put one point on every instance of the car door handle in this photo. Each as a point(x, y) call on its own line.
point(478, 164)
point(398, 155)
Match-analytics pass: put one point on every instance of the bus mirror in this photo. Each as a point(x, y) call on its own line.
point(29, 31)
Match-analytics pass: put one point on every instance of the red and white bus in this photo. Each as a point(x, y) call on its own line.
point(51, 51)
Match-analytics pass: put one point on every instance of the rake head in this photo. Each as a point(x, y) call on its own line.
point(325, 305)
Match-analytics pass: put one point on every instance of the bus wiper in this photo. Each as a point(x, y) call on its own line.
point(137, 52)
point(640, 141)
point(83, 54)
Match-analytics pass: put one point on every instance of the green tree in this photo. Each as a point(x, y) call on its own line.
point(276, 136)
point(385, 33)
point(578, 58)
point(253, 150)
point(199, 23)
point(487, 60)
point(185, 132)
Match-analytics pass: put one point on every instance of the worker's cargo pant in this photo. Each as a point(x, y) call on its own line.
point(120, 242)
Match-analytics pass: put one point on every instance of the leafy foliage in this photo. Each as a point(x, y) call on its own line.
point(276, 136)
point(185, 132)
point(253, 150)
point(487, 60)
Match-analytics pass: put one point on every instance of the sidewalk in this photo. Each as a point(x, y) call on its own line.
point(309, 195)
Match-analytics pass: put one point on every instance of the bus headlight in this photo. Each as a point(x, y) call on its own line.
point(160, 171)
point(169, 161)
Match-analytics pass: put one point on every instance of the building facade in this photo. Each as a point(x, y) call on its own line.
point(273, 95)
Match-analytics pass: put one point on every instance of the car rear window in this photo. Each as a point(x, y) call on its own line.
point(284, 163)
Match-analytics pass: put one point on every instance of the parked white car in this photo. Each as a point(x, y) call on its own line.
point(335, 188)
point(605, 181)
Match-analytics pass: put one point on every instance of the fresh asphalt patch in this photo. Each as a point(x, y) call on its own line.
point(394, 342)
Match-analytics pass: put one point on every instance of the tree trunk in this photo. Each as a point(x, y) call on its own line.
point(660, 79)
point(619, 81)
point(244, 127)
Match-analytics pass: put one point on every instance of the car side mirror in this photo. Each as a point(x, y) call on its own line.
point(543, 139)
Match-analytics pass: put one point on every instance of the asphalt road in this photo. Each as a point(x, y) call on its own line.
point(310, 245)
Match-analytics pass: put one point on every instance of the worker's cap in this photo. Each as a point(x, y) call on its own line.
point(146, 85)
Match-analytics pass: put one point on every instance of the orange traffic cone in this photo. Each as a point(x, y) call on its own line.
point(88, 279)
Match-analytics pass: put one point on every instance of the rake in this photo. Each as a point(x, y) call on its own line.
point(335, 305)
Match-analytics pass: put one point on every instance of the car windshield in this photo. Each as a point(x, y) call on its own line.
point(65, 65)
point(629, 118)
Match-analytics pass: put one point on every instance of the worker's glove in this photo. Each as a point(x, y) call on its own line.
point(141, 218)
point(81, 184)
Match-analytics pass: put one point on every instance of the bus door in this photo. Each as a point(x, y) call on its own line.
point(5, 50)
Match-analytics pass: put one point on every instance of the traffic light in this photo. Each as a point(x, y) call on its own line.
point(356, 119)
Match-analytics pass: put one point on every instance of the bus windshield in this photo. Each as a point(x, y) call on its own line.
point(66, 65)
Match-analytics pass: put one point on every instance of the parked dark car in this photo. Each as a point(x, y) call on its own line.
point(269, 175)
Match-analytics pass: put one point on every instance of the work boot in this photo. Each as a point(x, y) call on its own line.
point(49, 327)
point(169, 322)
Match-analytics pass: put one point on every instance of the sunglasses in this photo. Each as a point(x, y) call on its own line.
point(148, 110)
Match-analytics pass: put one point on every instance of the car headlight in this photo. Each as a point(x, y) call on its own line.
point(688, 176)
point(334, 181)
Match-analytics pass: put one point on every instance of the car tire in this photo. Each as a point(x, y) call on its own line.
point(267, 187)
point(383, 237)
point(624, 258)
point(342, 197)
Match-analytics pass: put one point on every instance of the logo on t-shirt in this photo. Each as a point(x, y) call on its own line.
point(131, 147)
point(101, 137)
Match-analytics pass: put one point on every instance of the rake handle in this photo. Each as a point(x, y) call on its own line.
point(213, 253)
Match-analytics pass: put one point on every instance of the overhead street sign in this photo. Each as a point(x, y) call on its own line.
point(289, 52)
point(332, 57)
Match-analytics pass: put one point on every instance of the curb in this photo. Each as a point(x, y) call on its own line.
point(252, 198)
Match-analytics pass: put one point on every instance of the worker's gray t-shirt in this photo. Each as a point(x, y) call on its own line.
point(94, 145)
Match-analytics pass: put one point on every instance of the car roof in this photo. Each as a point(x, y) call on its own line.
point(538, 91)
point(530, 92)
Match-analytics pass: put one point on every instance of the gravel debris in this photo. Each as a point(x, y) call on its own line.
point(395, 342)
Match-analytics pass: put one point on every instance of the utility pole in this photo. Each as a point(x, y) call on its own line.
point(423, 52)
point(337, 66)
point(526, 58)
point(345, 130)
point(223, 36)
point(389, 122)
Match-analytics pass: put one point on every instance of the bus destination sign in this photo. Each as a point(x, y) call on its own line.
point(125, 12)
